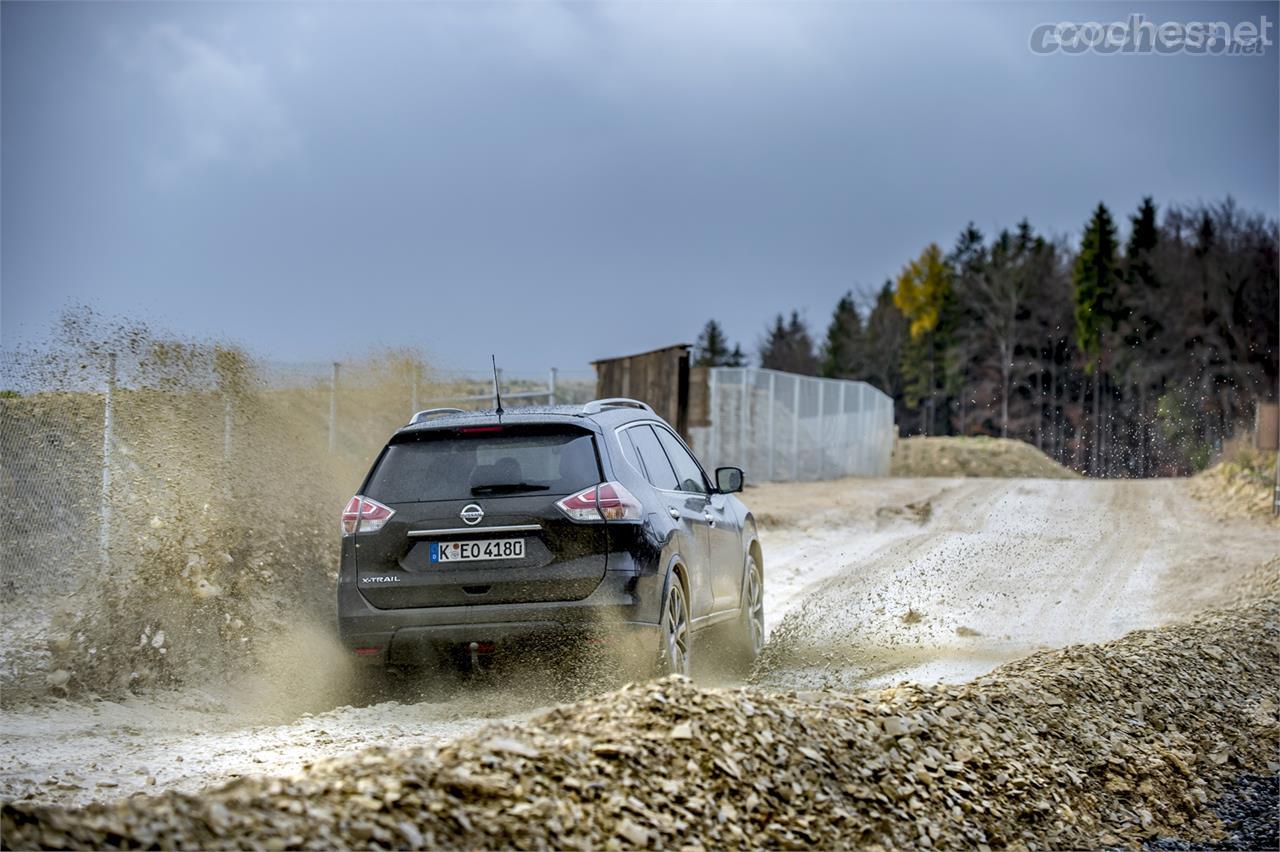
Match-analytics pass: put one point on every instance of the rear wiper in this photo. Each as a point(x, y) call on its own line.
point(508, 488)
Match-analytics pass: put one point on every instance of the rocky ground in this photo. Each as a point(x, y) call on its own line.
point(1241, 483)
point(1165, 737)
point(1096, 745)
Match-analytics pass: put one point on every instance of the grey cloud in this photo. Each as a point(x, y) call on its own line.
point(221, 107)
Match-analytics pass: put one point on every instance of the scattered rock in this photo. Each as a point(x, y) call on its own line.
point(632, 833)
point(1117, 744)
point(506, 745)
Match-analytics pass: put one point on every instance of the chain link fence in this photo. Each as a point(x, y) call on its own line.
point(90, 439)
point(784, 427)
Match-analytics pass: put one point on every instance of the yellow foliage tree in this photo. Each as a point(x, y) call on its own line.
point(922, 289)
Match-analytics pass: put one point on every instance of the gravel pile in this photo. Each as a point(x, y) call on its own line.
point(1242, 484)
point(1115, 745)
point(973, 456)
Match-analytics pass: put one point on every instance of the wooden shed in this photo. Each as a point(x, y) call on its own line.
point(659, 377)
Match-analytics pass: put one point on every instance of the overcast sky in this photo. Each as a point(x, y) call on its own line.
point(561, 182)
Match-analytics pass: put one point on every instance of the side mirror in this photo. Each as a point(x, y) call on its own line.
point(729, 480)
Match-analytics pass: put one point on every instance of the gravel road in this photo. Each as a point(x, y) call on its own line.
point(1000, 569)
point(868, 582)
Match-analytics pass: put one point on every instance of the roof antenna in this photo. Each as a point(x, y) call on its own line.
point(497, 393)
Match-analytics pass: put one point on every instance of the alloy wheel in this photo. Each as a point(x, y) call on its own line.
point(676, 631)
point(755, 607)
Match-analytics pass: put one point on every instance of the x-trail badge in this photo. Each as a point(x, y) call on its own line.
point(471, 514)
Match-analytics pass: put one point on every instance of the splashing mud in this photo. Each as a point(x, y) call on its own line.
point(175, 509)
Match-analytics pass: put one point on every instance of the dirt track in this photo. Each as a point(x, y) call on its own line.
point(869, 581)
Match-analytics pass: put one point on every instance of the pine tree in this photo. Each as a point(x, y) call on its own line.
point(712, 349)
point(774, 349)
point(970, 253)
point(884, 337)
point(842, 353)
point(1146, 352)
point(1096, 278)
point(1143, 236)
point(789, 347)
point(804, 359)
point(968, 260)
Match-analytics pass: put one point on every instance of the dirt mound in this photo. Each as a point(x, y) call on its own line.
point(1241, 484)
point(977, 456)
point(1091, 745)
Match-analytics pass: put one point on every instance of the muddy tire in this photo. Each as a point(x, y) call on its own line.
point(748, 631)
point(675, 636)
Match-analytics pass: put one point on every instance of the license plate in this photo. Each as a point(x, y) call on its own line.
point(476, 551)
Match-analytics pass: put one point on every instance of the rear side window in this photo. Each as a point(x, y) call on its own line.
point(687, 470)
point(452, 467)
point(655, 461)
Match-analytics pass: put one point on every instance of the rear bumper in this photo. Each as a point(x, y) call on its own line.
point(624, 605)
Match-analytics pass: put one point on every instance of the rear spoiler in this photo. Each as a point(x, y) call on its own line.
point(423, 416)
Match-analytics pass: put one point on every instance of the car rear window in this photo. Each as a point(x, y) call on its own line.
point(455, 466)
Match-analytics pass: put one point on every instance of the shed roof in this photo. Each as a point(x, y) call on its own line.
point(640, 354)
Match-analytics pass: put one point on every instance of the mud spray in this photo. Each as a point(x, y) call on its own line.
point(208, 552)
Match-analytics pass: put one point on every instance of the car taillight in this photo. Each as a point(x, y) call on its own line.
point(608, 501)
point(364, 515)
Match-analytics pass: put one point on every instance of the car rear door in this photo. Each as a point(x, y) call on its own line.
point(475, 518)
point(686, 510)
point(725, 559)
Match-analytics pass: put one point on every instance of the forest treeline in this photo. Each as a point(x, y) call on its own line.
point(1133, 357)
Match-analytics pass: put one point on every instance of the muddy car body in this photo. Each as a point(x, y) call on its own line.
point(475, 533)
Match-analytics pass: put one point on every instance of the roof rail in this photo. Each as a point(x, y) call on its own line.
point(595, 406)
point(422, 416)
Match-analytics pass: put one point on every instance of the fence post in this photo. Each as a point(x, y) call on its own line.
point(819, 444)
point(858, 439)
point(333, 409)
point(743, 453)
point(866, 424)
point(104, 506)
point(713, 411)
point(845, 443)
point(773, 403)
point(888, 434)
point(551, 386)
point(795, 428)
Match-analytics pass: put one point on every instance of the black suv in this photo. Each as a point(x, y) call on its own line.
point(475, 532)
